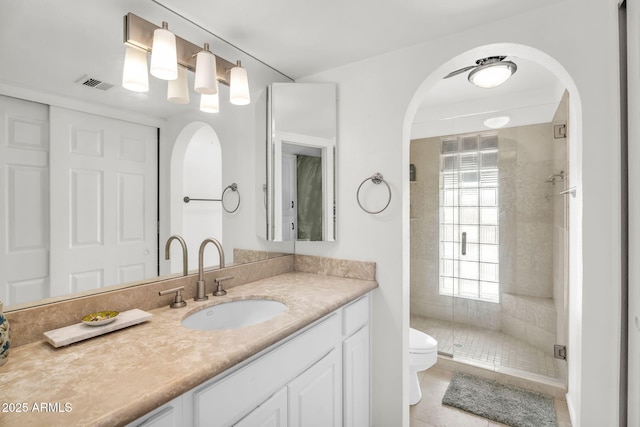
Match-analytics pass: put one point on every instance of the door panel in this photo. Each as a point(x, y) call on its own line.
point(104, 201)
point(356, 382)
point(289, 199)
point(271, 413)
point(315, 397)
point(24, 201)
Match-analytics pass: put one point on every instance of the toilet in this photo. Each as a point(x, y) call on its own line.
point(423, 354)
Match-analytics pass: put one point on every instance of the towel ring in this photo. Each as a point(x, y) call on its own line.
point(376, 178)
point(233, 187)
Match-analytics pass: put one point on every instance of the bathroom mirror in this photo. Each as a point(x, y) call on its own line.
point(301, 147)
point(85, 41)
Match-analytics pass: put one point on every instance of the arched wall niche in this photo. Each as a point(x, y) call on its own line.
point(196, 165)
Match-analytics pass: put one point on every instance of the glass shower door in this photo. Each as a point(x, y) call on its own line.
point(449, 253)
point(469, 235)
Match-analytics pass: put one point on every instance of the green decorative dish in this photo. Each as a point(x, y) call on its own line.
point(100, 318)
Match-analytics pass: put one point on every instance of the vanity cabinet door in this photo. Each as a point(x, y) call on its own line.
point(315, 397)
point(221, 402)
point(271, 413)
point(355, 354)
point(167, 415)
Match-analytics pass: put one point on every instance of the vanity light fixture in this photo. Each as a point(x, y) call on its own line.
point(206, 82)
point(210, 103)
point(135, 76)
point(164, 57)
point(239, 88)
point(145, 37)
point(491, 73)
point(178, 89)
point(497, 122)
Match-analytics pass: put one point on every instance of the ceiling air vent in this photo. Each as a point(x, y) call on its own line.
point(95, 83)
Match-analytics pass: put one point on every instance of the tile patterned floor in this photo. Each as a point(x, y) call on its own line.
point(430, 412)
point(487, 347)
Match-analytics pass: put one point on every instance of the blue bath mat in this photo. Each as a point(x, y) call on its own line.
point(505, 404)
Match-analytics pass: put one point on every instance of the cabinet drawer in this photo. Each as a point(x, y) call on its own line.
point(356, 315)
point(224, 401)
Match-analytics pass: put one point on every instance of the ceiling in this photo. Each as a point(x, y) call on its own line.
point(455, 106)
point(303, 37)
point(46, 46)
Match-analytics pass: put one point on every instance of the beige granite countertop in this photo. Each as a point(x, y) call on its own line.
point(116, 378)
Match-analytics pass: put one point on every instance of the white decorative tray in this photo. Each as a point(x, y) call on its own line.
point(80, 331)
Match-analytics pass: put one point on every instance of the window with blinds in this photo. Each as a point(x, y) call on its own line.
point(469, 203)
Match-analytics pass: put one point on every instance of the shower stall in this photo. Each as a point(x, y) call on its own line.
point(489, 245)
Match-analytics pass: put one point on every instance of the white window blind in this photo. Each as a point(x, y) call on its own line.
point(469, 203)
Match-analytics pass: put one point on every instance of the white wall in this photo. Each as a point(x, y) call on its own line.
point(374, 126)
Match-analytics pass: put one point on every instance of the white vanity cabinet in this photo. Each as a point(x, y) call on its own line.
point(318, 377)
point(168, 415)
point(355, 359)
point(315, 396)
point(273, 412)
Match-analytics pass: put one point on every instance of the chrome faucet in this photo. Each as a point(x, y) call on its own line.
point(200, 292)
point(185, 257)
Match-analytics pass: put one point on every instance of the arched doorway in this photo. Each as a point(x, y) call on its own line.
point(571, 297)
point(196, 172)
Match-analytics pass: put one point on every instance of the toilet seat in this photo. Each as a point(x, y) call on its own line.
point(421, 343)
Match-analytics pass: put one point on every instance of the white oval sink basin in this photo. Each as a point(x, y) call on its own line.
point(234, 314)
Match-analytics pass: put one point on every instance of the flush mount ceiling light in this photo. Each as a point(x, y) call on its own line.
point(488, 72)
point(496, 122)
point(146, 37)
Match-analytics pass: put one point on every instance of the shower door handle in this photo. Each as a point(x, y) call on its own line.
point(464, 243)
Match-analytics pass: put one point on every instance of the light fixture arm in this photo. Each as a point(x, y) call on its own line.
point(138, 33)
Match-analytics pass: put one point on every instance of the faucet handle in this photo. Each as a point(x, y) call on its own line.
point(219, 291)
point(177, 301)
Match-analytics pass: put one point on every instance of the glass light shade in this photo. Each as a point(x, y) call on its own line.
point(496, 122)
point(206, 81)
point(178, 89)
point(135, 76)
point(239, 87)
point(492, 74)
point(164, 60)
point(209, 103)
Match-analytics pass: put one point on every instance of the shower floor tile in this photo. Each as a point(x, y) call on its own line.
point(492, 347)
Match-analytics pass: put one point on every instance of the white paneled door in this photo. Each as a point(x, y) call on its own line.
point(24, 201)
point(289, 198)
point(103, 201)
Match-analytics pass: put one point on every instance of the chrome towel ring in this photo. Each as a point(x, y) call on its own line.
point(376, 178)
point(233, 187)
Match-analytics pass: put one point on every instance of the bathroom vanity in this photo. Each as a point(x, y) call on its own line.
point(317, 377)
point(307, 366)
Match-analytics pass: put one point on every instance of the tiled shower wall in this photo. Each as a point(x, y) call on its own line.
point(528, 236)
